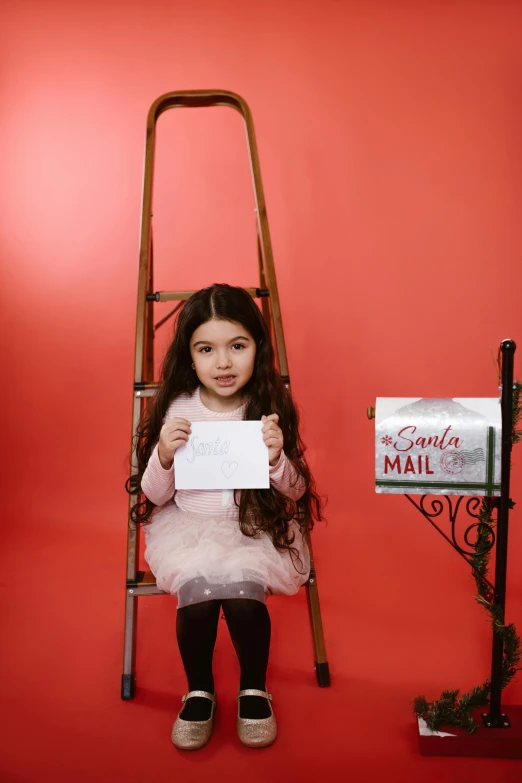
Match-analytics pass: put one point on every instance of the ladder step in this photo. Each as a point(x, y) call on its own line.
point(142, 578)
point(169, 296)
point(145, 584)
point(142, 389)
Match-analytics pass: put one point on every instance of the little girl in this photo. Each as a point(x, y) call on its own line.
point(224, 549)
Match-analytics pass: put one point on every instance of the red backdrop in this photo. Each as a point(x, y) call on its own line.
point(389, 139)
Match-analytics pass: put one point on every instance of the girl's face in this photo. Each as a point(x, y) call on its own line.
point(223, 353)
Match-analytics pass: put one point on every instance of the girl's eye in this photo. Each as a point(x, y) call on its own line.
point(207, 348)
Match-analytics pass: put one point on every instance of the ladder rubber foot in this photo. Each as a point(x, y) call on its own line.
point(322, 672)
point(128, 686)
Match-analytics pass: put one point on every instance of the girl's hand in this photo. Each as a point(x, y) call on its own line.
point(174, 434)
point(273, 437)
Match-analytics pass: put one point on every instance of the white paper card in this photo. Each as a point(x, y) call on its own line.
point(223, 455)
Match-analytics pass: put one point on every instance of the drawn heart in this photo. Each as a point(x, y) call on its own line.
point(228, 469)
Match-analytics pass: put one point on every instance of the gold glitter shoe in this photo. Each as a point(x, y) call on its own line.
point(193, 734)
point(256, 732)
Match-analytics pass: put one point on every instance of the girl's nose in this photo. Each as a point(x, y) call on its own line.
point(223, 361)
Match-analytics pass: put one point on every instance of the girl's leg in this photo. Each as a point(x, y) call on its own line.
point(249, 625)
point(196, 631)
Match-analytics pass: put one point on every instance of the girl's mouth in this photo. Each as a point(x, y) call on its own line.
point(225, 380)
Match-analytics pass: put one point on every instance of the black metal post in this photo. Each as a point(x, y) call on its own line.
point(495, 718)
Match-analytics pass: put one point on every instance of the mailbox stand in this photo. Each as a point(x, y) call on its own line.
point(495, 718)
point(499, 734)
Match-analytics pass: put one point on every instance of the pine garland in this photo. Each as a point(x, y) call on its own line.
point(451, 709)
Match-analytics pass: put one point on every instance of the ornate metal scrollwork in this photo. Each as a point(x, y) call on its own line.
point(433, 507)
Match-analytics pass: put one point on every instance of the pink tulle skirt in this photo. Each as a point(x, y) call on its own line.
point(182, 546)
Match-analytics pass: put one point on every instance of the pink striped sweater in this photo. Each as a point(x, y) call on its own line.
point(158, 484)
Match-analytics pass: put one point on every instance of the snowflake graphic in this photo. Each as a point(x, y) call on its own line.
point(386, 440)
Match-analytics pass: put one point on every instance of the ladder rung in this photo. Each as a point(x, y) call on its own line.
point(142, 389)
point(169, 296)
point(145, 584)
point(146, 393)
point(142, 578)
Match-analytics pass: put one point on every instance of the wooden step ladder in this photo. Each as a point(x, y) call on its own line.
point(139, 582)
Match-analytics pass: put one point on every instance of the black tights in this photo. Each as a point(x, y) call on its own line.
point(249, 626)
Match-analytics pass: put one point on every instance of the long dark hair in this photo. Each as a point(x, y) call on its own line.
point(260, 510)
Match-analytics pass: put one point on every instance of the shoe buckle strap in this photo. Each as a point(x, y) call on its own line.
point(200, 694)
point(254, 692)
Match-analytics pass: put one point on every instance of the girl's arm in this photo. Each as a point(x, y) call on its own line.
point(157, 483)
point(285, 478)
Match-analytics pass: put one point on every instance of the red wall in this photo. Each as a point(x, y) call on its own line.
point(389, 139)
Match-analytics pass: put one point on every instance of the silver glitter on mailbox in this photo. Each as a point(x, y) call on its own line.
point(437, 446)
